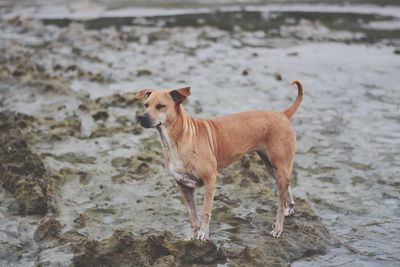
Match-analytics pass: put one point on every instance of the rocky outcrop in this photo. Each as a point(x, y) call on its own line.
point(125, 249)
point(22, 172)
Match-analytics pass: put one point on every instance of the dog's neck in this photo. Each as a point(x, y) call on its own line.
point(179, 125)
point(172, 132)
point(168, 146)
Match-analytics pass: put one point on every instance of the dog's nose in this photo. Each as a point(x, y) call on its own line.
point(145, 120)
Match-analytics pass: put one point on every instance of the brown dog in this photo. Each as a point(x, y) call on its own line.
point(197, 149)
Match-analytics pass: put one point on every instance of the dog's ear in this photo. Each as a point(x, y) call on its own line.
point(143, 93)
point(179, 95)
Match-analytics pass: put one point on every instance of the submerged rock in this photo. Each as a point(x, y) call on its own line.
point(139, 166)
point(73, 158)
point(70, 126)
point(122, 100)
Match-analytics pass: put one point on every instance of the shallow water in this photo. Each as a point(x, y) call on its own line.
point(348, 126)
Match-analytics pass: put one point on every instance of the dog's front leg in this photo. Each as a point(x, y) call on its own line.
point(209, 190)
point(190, 202)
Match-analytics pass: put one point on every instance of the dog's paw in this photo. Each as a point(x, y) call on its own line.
point(203, 235)
point(289, 211)
point(191, 237)
point(193, 233)
point(276, 232)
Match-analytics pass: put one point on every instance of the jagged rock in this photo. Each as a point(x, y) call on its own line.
point(22, 172)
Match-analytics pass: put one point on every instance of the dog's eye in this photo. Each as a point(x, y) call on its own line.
point(160, 106)
point(146, 105)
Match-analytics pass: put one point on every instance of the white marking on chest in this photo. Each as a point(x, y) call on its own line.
point(174, 161)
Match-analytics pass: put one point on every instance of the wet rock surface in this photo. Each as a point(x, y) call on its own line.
point(123, 248)
point(22, 172)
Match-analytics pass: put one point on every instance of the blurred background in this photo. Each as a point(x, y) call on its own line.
point(72, 66)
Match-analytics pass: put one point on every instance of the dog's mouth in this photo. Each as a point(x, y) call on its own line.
point(150, 126)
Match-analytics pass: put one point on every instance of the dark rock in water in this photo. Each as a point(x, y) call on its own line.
point(143, 73)
point(49, 228)
point(101, 115)
point(73, 158)
point(292, 54)
point(18, 73)
point(116, 100)
point(278, 76)
point(22, 172)
point(72, 68)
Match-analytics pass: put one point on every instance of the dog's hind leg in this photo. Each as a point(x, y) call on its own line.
point(268, 163)
point(281, 170)
point(282, 182)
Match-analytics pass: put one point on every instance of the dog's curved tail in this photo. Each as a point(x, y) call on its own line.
point(293, 108)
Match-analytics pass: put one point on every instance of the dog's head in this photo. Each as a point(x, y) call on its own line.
point(162, 106)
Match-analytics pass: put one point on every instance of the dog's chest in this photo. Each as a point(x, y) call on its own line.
point(184, 177)
point(176, 163)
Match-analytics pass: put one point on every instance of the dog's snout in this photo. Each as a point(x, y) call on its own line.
point(145, 120)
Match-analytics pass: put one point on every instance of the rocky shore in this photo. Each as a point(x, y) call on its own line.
point(35, 191)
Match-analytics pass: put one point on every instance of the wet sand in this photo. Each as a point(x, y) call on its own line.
point(74, 78)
